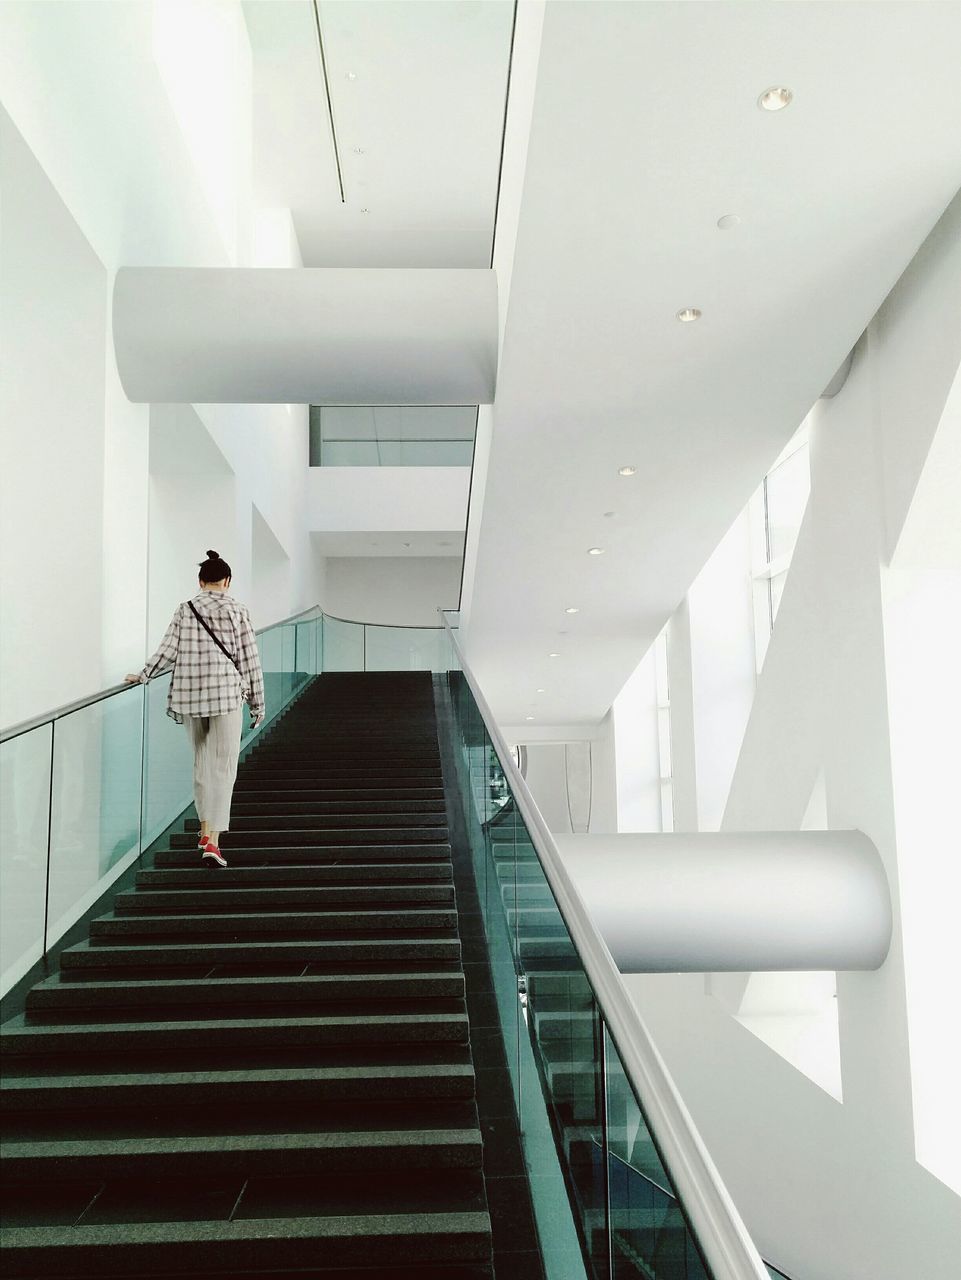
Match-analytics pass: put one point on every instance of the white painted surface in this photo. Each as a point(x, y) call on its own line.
point(637, 759)
point(624, 181)
point(856, 697)
point(386, 499)
point(390, 590)
point(418, 127)
point(52, 309)
point(719, 901)
point(269, 335)
point(721, 612)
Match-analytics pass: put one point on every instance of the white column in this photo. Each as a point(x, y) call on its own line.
point(306, 335)
point(710, 902)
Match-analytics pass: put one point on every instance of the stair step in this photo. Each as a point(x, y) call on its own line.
point(313, 792)
point(320, 821)
point(373, 873)
point(260, 1086)
point(224, 895)
point(226, 1248)
point(221, 1155)
point(54, 994)
point(302, 923)
point(20, 1037)
point(269, 839)
point(307, 855)
point(84, 956)
point(347, 808)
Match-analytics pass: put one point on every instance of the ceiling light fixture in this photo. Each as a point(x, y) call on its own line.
point(687, 314)
point(541, 691)
point(553, 655)
point(626, 471)
point(595, 551)
point(728, 222)
point(609, 515)
point(528, 717)
point(573, 609)
point(775, 99)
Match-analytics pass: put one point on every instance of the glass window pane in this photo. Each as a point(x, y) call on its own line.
point(788, 486)
point(24, 810)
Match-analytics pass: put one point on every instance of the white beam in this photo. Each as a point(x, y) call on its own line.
point(711, 902)
point(304, 335)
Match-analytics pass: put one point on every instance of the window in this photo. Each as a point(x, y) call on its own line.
point(777, 509)
point(392, 435)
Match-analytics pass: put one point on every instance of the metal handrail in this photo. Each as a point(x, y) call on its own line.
point(36, 722)
point(720, 1232)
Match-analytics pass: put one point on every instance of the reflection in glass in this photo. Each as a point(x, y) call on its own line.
point(96, 812)
point(392, 435)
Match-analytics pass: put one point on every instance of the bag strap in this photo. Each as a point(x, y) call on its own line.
point(220, 645)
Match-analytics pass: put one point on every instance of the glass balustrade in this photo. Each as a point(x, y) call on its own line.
point(85, 792)
point(604, 1206)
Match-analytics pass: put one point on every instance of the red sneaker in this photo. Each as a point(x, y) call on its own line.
point(211, 851)
point(202, 842)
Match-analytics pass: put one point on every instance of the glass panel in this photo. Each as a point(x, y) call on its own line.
point(344, 645)
point(405, 649)
point(650, 1239)
point(271, 646)
point(96, 813)
point(532, 989)
point(168, 765)
point(392, 435)
point(777, 590)
point(287, 637)
point(24, 817)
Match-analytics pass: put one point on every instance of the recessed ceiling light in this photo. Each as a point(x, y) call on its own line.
point(775, 98)
point(573, 609)
point(528, 717)
point(609, 515)
point(595, 551)
point(541, 691)
point(626, 471)
point(687, 314)
point(553, 655)
point(728, 221)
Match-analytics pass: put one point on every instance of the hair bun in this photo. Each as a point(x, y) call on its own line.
point(213, 555)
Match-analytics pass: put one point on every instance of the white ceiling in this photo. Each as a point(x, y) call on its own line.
point(645, 131)
point(418, 128)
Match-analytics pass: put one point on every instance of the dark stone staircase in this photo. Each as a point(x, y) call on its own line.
point(265, 1069)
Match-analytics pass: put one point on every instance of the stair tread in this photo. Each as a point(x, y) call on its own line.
point(326, 1140)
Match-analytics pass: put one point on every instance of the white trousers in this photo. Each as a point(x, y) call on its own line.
point(216, 744)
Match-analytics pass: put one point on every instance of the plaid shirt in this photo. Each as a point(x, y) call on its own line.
point(205, 682)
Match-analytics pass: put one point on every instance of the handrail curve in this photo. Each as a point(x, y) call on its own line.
point(718, 1227)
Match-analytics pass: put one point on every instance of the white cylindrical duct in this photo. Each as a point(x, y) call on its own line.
point(307, 335)
point(713, 902)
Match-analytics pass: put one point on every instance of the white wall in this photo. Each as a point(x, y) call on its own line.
point(117, 152)
point(53, 303)
point(391, 589)
point(856, 713)
point(637, 757)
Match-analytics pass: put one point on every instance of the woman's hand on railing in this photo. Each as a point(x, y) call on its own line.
point(133, 679)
